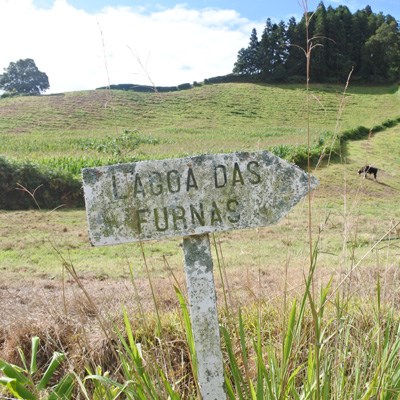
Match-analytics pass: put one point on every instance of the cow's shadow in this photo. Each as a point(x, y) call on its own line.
point(384, 184)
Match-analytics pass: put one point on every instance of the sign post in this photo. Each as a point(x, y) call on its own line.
point(192, 197)
point(204, 316)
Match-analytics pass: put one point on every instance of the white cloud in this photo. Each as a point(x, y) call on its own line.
point(76, 49)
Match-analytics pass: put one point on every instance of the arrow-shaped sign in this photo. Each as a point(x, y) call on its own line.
point(190, 196)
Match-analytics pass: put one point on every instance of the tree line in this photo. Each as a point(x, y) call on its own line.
point(363, 42)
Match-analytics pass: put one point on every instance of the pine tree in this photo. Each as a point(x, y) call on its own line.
point(318, 66)
point(359, 36)
point(273, 51)
point(296, 61)
point(248, 60)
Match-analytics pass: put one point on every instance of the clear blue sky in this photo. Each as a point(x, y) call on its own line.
point(253, 10)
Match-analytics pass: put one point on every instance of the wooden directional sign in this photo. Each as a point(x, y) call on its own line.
point(190, 196)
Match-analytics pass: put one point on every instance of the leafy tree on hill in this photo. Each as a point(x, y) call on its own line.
point(382, 53)
point(23, 77)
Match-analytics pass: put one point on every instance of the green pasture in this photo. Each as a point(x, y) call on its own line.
point(83, 128)
point(35, 242)
point(72, 130)
point(76, 127)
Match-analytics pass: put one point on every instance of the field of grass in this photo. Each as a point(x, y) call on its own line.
point(39, 128)
point(347, 334)
point(85, 126)
point(30, 238)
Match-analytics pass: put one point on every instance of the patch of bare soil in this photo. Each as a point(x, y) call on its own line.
point(46, 307)
point(36, 300)
point(68, 315)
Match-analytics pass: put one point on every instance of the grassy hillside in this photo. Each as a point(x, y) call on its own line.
point(93, 125)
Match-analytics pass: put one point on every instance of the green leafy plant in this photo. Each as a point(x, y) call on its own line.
point(121, 145)
point(28, 383)
point(142, 380)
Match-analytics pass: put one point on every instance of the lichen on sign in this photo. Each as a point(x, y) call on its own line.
point(190, 196)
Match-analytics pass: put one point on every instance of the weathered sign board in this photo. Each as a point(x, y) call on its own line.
point(189, 196)
point(192, 197)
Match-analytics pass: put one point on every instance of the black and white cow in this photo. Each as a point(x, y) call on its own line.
point(368, 169)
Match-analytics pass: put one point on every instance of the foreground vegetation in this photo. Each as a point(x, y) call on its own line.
point(331, 331)
point(317, 350)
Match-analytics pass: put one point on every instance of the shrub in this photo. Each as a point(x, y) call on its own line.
point(140, 88)
point(184, 86)
point(282, 151)
point(377, 128)
point(24, 186)
point(119, 146)
point(239, 78)
point(355, 134)
point(389, 123)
